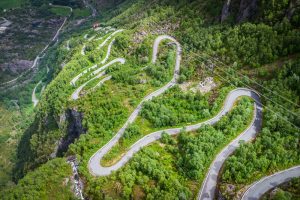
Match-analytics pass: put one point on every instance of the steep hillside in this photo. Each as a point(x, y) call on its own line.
point(148, 77)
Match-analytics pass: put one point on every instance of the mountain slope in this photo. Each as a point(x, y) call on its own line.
point(86, 124)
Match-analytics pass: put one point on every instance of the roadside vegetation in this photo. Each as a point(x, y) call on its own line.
point(175, 166)
point(286, 191)
point(175, 108)
point(277, 146)
point(50, 181)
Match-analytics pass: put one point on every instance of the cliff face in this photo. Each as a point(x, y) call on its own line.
point(246, 9)
point(250, 10)
point(74, 130)
point(225, 10)
point(293, 5)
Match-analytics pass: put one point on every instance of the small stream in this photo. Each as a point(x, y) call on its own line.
point(78, 185)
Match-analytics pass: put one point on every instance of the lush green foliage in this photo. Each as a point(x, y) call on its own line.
point(249, 44)
point(277, 146)
point(51, 181)
point(168, 170)
point(287, 191)
point(175, 169)
point(81, 13)
point(197, 152)
point(7, 4)
point(13, 122)
point(177, 107)
point(61, 11)
point(104, 109)
point(174, 108)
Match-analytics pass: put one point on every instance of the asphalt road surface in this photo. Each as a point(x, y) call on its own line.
point(34, 99)
point(262, 186)
point(97, 74)
point(208, 188)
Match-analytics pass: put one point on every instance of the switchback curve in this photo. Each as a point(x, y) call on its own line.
point(257, 189)
point(94, 164)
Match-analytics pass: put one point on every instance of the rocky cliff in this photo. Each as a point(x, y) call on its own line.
point(242, 10)
point(250, 10)
point(74, 130)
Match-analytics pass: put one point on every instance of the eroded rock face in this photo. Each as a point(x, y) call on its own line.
point(248, 9)
point(74, 130)
point(225, 10)
point(16, 66)
point(292, 7)
point(243, 9)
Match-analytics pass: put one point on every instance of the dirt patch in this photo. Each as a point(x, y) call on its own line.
point(138, 193)
point(203, 86)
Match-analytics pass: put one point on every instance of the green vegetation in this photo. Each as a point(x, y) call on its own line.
point(175, 108)
point(287, 191)
point(277, 146)
point(14, 123)
point(7, 4)
point(17, 113)
point(51, 181)
point(71, 3)
point(61, 11)
point(81, 12)
point(210, 140)
point(176, 167)
point(247, 44)
point(104, 110)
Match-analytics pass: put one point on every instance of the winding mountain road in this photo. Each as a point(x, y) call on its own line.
point(83, 50)
point(208, 188)
point(34, 99)
point(68, 45)
point(257, 189)
point(108, 52)
point(109, 37)
point(39, 56)
point(98, 74)
point(76, 78)
point(94, 162)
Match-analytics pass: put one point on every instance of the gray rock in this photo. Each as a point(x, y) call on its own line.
point(225, 10)
point(74, 130)
point(248, 9)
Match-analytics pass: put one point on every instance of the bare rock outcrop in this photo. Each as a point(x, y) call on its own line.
point(225, 10)
point(293, 5)
point(74, 130)
point(242, 9)
point(248, 9)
